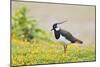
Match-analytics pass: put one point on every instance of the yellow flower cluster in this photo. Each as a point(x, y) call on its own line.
point(19, 41)
point(42, 52)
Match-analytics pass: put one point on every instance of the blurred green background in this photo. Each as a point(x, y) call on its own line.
point(81, 19)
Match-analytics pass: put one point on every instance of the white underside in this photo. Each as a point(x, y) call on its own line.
point(63, 40)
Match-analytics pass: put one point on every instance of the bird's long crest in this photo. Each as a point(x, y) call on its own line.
point(61, 22)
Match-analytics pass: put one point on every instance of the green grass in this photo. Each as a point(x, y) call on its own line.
point(41, 52)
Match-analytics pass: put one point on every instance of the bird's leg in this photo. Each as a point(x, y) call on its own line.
point(65, 49)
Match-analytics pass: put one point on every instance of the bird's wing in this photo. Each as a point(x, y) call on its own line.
point(68, 35)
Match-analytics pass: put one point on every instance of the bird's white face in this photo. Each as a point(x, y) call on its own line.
point(57, 29)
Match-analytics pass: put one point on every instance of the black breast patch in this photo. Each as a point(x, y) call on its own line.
point(57, 34)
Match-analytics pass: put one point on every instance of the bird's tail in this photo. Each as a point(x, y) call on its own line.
point(79, 41)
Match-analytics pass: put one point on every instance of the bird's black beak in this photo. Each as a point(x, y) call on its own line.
point(51, 29)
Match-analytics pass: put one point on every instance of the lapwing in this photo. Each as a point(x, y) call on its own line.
point(64, 36)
